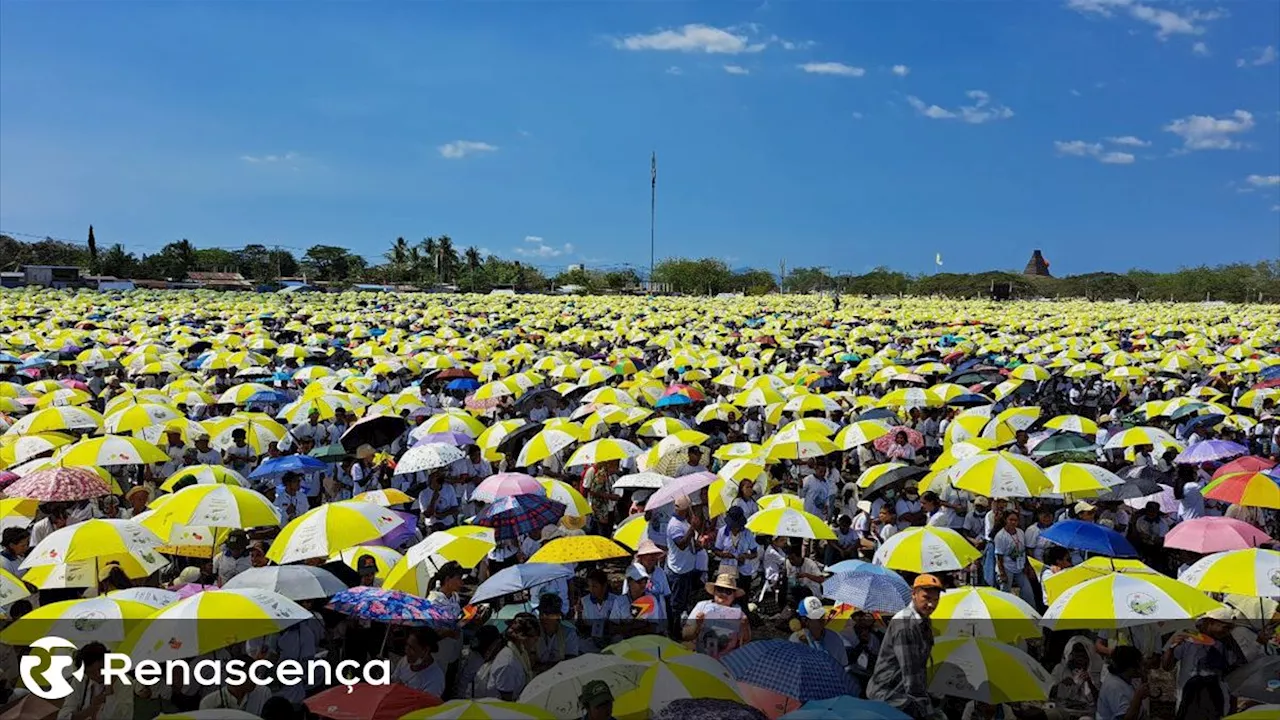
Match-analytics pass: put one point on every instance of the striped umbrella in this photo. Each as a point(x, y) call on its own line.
point(557, 690)
point(330, 528)
point(603, 450)
point(860, 432)
point(548, 442)
point(137, 417)
point(209, 621)
point(986, 671)
point(778, 676)
point(1123, 600)
point(1000, 475)
point(205, 475)
point(926, 550)
point(55, 419)
point(985, 612)
point(216, 506)
point(112, 450)
point(789, 522)
point(73, 556)
point(102, 619)
point(676, 676)
point(1073, 423)
point(11, 588)
point(1251, 572)
point(1254, 489)
point(1081, 479)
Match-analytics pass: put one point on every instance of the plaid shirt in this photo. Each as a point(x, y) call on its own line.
point(901, 676)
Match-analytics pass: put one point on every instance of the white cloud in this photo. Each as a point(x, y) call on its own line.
point(1166, 22)
point(1264, 180)
point(260, 159)
point(484, 252)
point(857, 116)
point(695, 38)
point(833, 68)
point(461, 148)
point(1075, 92)
point(1080, 148)
point(1116, 158)
point(1266, 56)
point(538, 249)
point(1129, 140)
point(981, 111)
point(1200, 49)
point(900, 70)
point(675, 70)
point(1204, 132)
point(736, 70)
point(1275, 208)
point(794, 44)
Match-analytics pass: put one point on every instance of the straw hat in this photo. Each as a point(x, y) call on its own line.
point(649, 547)
point(728, 581)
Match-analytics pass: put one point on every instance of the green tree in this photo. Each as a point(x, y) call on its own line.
point(807, 280)
point(621, 279)
point(93, 252)
point(332, 263)
point(216, 260)
point(448, 262)
point(472, 258)
point(694, 277)
point(118, 263)
point(755, 282)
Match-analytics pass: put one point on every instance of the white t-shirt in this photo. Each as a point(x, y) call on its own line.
point(817, 494)
point(721, 627)
point(1113, 699)
point(448, 501)
point(504, 674)
point(679, 561)
point(744, 544)
point(429, 679)
point(1011, 549)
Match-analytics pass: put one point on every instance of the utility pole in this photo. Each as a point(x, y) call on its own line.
point(653, 208)
point(782, 276)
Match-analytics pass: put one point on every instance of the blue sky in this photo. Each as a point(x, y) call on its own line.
point(1108, 133)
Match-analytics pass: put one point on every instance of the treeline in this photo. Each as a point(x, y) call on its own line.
point(1239, 282)
point(437, 261)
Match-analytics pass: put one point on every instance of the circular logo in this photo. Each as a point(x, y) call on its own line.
point(89, 621)
point(1141, 604)
point(44, 671)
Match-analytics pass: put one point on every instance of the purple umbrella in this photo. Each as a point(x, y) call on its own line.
point(456, 439)
point(398, 535)
point(1210, 451)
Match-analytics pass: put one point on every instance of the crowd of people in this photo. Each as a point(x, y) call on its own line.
point(773, 469)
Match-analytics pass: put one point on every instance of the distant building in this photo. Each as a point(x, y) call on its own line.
point(219, 280)
point(54, 276)
point(11, 279)
point(1037, 266)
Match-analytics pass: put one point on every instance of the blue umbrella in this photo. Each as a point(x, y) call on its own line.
point(302, 464)
point(1270, 373)
point(391, 606)
point(1089, 537)
point(7, 359)
point(268, 396)
point(462, 384)
point(845, 707)
point(869, 592)
point(35, 362)
point(518, 578)
point(673, 400)
point(789, 669)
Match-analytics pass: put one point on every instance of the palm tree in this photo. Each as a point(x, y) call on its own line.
point(448, 262)
point(473, 257)
point(399, 252)
point(429, 249)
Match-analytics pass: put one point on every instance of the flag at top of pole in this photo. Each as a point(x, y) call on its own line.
point(938, 259)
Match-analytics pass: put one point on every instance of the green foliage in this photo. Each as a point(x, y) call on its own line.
point(116, 262)
point(332, 263)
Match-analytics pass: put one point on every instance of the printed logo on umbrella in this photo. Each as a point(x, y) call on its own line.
point(1141, 603)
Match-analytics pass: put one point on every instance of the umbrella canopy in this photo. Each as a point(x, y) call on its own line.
point(374, 430)
point(1210, 451)
point(480, 710)
point(789, 522)
point(687, 485)
point(1089, 537)
point(518, 578)
point(73, 556)
point(210, 621)
point(301, 464)
point(1246, 572)
point(421, 458)
point(60, 484)
point(986, 671)
point(557, 690)
point(778, 676)
point(1121, 600)
point(926, 550)
point(204, 475)
point(506, 484)
point(369, 702)
point(845, 707)
point(102, 619)
point(670, 677)
point(872, 592)
point(1094, 567)
point(578, 548)
point(331, 528)
point(219, 506)
point(296, 582)
point(985, 612)
point(1215, 534)
point(391, 606)
point(1254, 489)
point(1000, 474)
point(517, 515)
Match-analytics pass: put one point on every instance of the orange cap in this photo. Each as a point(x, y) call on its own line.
point(927, 581)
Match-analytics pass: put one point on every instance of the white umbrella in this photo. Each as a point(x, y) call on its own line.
point(155, 597)
point(643, 480)
point(428, 457)
point(296, 582)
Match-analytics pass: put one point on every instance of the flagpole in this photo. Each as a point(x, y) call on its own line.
point(653, 206)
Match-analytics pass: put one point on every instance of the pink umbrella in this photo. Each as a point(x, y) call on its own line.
point(190, 589)
point(74, 384)
point(1215, 534)
point(685, 485)
point(60, 484)
point(507, 484)
point(884, 442)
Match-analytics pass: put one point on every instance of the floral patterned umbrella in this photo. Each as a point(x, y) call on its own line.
point(390, 606)
point(60, 484)
point(889, 439)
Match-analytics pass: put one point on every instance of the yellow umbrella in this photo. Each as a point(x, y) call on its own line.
point(578, 548)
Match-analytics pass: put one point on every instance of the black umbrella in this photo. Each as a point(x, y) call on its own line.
point(1257, 680)
point(1131, 490)
point(511, 444)
point(529, 400)
point(894, 477)
point(878, 414)
point(376, 431)
point(1146, 472)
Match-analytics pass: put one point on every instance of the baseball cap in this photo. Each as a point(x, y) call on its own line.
point(1083, 507)
point(811, 607)
point(1222, 614)
point(595, 694)
point(683, 502)
point(637, 572)
point(927, 581)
